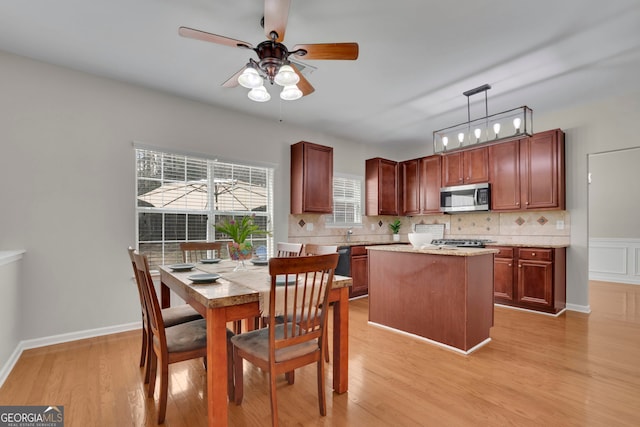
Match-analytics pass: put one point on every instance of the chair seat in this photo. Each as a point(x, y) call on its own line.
point(179, 314)
point(187, 336)
point(256, 343)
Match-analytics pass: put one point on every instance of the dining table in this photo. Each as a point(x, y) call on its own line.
point(241, 294)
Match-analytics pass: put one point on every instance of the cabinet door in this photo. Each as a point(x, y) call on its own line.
point(452, 169)
point(311, 178)
point(503, 279)
point(410, 187)
point(504, 175)
point(430, 183)
point(382, 189)
point(359, 276)
point(465, 167)
point(535, 283)
point(476, 165)
point(542, 163)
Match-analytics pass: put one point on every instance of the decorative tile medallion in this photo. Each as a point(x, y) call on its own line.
point(301, 223)
point(380, 223)
point(542, 220)
point(520, 221)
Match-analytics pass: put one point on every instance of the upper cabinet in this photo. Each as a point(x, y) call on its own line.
point(528, 173)
point(542, 170)
point(382, 187)
point(311, 178)
point(421, 185)
point(465, 167)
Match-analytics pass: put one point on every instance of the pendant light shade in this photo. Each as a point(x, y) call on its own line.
point(250, 78)
point(259, 94)
point(286, 76)
point(291, 93)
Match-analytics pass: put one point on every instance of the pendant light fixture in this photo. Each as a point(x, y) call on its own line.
point(490, 128)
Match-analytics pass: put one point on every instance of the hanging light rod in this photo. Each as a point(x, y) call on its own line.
point(483, 88)
point(509, 124)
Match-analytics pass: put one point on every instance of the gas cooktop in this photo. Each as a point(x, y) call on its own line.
point(467, 243)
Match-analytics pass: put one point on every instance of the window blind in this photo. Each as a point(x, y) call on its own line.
point(180, 198)
point(347, 202)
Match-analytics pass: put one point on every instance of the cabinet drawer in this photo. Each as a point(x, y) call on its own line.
point(536, 254)
point(358, 250)
point(504, 252)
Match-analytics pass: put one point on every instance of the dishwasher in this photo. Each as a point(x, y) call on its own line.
point(344, 261)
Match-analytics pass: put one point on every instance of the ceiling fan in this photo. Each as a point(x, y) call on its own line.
point(274, 64)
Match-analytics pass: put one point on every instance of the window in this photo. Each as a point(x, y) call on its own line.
point(179, 198)
point(347, 202)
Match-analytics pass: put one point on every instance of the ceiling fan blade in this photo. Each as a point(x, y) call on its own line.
point(233, 80)
point(327, 51)
point(303, 84)
point(213, 38)
point(276, 14)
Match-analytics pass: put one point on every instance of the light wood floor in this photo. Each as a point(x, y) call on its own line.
point(575, 370)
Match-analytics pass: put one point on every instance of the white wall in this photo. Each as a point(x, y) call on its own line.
point(67, 173)
point(614, 198)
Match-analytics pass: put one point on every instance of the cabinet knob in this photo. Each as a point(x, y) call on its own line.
point(519, 265)
point(509, 265)
point(526, 203)
point(517, 203)
point(533, 254)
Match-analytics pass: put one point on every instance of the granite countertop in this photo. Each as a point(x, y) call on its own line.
point(364, 243)
point(529, 245)
point(448, 250)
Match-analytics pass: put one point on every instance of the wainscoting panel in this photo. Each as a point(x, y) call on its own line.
point(614, 260)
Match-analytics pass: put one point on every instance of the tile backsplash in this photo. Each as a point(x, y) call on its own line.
point(535, 227)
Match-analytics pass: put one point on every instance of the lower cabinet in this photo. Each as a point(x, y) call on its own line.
point(531, 278)
point(359, 272)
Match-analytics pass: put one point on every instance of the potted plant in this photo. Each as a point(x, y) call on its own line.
point(395, 229)
point(239, 230)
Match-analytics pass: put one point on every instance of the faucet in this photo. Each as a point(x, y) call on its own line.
point(349, 233)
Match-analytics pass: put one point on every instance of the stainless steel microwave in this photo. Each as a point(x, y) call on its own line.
point(465, 198)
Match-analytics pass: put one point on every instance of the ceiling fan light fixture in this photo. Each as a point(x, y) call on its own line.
point(259, 94)
point(250, 78)
point(291, 93)
point(286, 76)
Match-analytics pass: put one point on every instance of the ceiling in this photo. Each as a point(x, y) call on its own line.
point(416, 56)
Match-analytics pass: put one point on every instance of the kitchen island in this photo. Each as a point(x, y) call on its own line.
point(442, 295)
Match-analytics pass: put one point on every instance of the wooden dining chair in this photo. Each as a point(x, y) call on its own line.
point(195, 251)
point(285, 249)
point(313, 249)
point(297, 340)
point(173, 344)
point(171, 316)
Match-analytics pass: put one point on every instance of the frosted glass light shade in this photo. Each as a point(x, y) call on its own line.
point(286, 76)
point(259, 94)
point(250, 78)
point(291, 93)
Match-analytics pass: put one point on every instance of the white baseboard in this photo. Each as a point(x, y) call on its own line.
point(59, 339)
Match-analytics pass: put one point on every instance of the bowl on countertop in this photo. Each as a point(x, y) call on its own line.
point(421, 240)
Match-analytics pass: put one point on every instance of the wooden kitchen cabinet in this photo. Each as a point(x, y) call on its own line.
point(542, 170)
point(469, 166)
point(503, 271)
point(421, 180)
point(531, 278)
point(311, 178)
point(528, 173)
point(359, 272)
point(382, 187)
